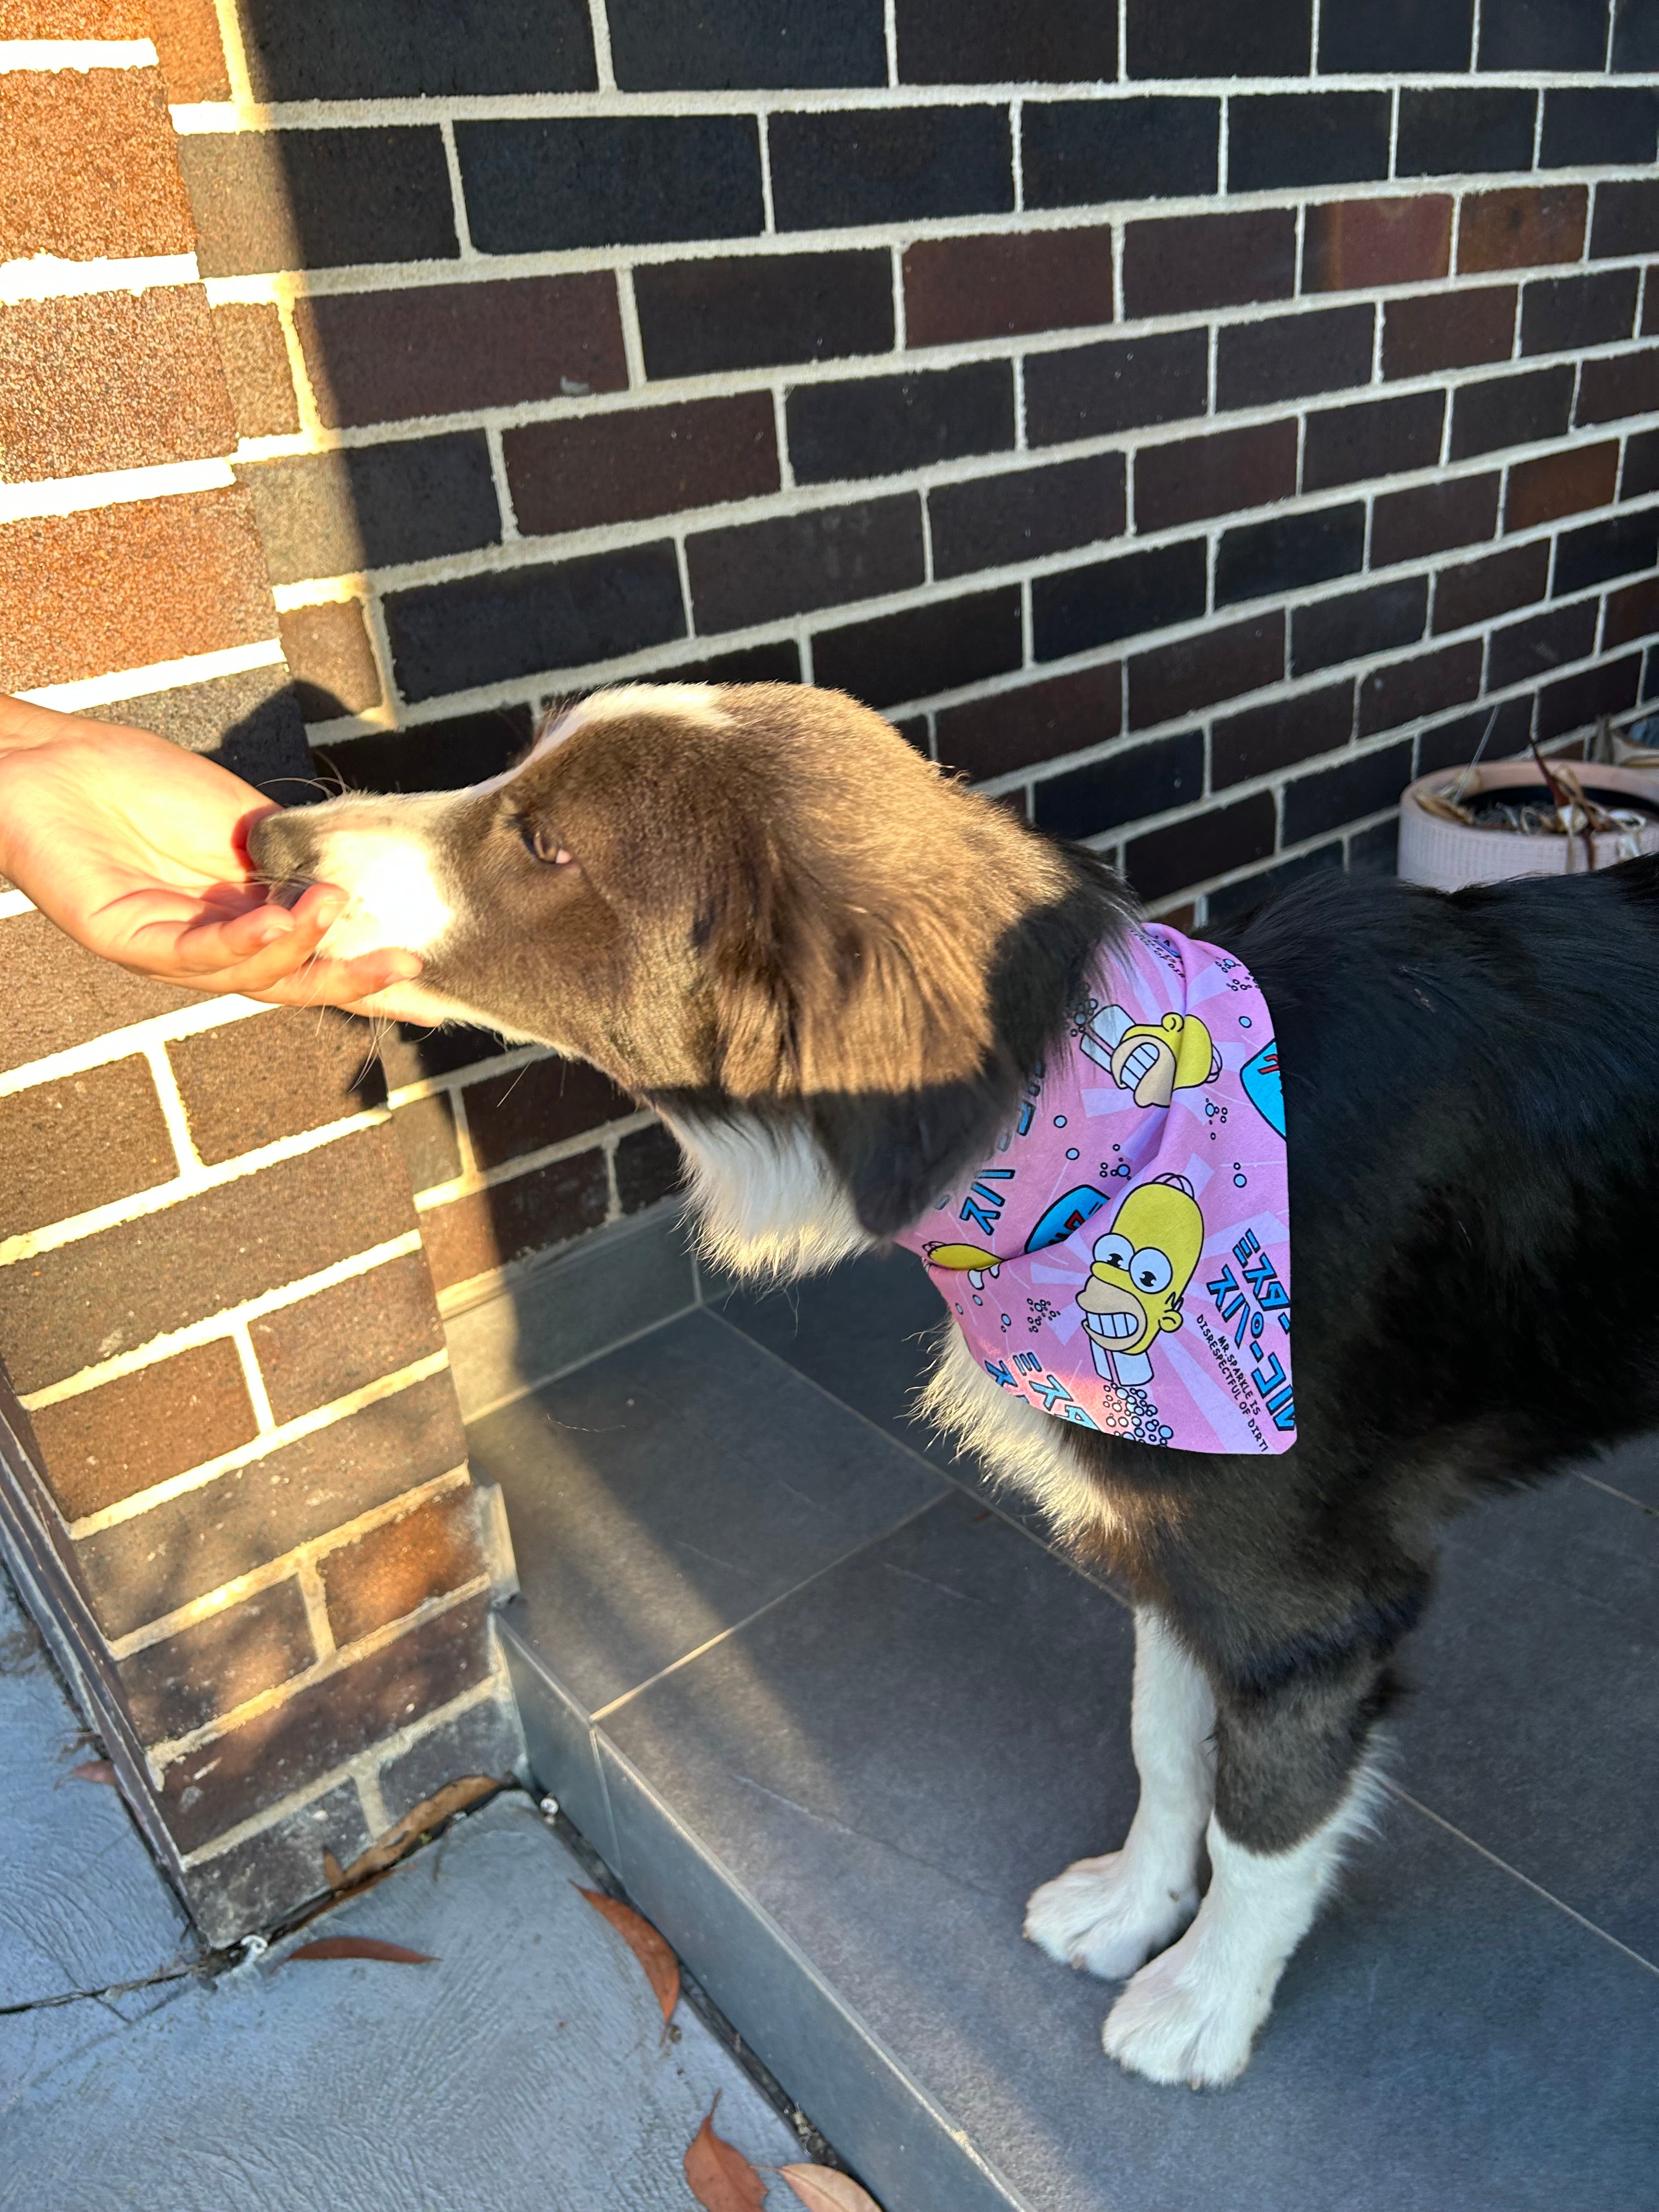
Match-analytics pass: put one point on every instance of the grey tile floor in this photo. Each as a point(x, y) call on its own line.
point(526, 2069)
point(848, 1713)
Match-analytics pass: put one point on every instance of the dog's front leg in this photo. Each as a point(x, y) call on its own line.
point(1292, 1786)
point(1107, 1914)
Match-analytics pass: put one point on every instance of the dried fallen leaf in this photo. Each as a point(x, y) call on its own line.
point(821, 2189)
point(718, 2175)
point(662, 1968)
point(362, 1947)
point(334, 1873)
point(94, 1770)
point(387, 1850)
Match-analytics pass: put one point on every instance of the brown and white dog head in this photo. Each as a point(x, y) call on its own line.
point(756, 907)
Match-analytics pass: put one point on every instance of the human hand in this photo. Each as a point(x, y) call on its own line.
point(138, 850)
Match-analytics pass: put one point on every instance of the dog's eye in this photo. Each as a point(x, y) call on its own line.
point(545, 846)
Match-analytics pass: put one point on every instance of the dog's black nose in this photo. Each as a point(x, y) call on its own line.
point(283, 848)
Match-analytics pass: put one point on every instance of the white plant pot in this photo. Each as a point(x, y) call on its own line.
point(1445, 855)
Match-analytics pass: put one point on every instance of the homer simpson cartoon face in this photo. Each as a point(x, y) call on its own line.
point(1154, 1062)
point(1142, 1266)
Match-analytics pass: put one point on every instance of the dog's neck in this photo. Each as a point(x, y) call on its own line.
point(781, 1187)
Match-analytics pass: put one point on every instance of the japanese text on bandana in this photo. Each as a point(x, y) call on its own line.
point(1121, 1261)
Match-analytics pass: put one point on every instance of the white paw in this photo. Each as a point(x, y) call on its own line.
point(1105, 1916)
point(1177, 2022)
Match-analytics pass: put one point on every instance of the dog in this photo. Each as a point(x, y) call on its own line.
point(831, 968)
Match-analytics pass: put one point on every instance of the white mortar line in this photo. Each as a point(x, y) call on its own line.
point(628, 311)
point(314, 1598)
point(510, 533)
point(15, 902)
point(172, 1107)
point(159, 676)
point(1016, 127)
point(474, 1178)
point(259, 1397)
point(82, 54)
point(768, 211)
point(781, 430)
point(457, 1079)
point(243, 106)
point(45, 277)
point(604, 67)
point(457, 192)
point(900, 340)
point(120, 1044)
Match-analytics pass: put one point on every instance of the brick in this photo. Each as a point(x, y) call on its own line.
point(1287, 552)
point(796, 563)
point(1233, 901)
point(960, 288)
point(54, 994)
point(336, 1342)
point(121, 587)
point(1451, 133)
point(1626, 219)
point(255, 1882)
point(1477, 590)
point(549, 185)
point(89, 166)
point(1565, 314)
point(1172, 680)
point(371, 507)
point(107, 1293)
point(651, 461)
point(1447, 330)
point(659, 45)
point(1452, 745)
point(1542, 35)
point(1358, 623)
point(1263, 739)
point(1392, 36)
point(1578, 701)
point(1560, 484)
point(1630, 613)
point(1627, 384)
point(407, 49)
point(247, 722)
point(1349, 245)
point(1510, 410)
point(1134, 782)
point(441, 349)
point(1406, 525)
point(523, 622)
point(184, 1547)
point(248, 1083)
point(1314, 803)
point(989, 42)
point(1214, 38)
point(126, 1436)
point(892, 658)
point(214, 1665)
point(399, 1566)
point(541, 1104)
point(1522, 228)
point(1349, 444)
point(1038, 722)
point(1584, 126)
point(1178, 263)
point(1077, 153)
point(1641, 473)
point(1124, 384)
point(80, 1142)
point(191, 50)
point(778, 661)
point(410, 1055)
point(1110, 599)
point(443, 755)
point(74, 19)
point(110, 380)
point(1605, 550)
point(1212, 843)
point(994, 520)
point(235, 1776)
point(1287, 356)
point(484, 1739)
point(255, 359)
point(697, 318)
point(1522, 652)
point(1406, 691)
point(330, 657)
point(883, 426)
point(889, 165)
point(1190, 478)
point(1307, 138)
point(649, 1167)
point(427, 1139)
point(1636, 37)
point(318, 200)
point(491, 1228)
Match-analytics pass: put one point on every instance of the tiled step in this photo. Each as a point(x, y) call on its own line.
point(830, 1716)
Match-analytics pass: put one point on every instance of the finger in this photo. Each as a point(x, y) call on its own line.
point(338, 982)
point(268, 936)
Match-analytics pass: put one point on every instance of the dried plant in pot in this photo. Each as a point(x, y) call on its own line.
point(1535, 817)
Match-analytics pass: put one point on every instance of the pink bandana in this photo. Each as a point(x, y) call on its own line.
point(1123, 1258)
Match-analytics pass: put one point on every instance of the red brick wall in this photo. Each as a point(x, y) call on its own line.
point(1188, 420)
point(233, 1477)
